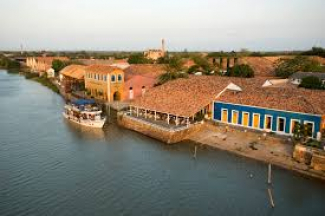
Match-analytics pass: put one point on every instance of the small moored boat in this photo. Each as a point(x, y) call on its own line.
point(84, 112)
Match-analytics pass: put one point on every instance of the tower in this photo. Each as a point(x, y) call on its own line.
point(163, 45)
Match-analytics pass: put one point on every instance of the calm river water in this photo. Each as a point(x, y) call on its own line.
point(49, 166)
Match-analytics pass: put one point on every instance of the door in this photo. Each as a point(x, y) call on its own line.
point(235, 115)
point(224, 117)
point(245, 119)
point(256, 120)
point(268, 123)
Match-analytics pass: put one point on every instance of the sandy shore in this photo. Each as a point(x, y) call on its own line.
point(274, 150)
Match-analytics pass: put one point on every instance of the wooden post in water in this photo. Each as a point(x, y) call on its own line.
point(195, 152)
point(109, 112)
point(269, 179)
point(271, 197)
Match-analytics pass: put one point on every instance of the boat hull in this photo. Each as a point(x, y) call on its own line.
point(87, 123)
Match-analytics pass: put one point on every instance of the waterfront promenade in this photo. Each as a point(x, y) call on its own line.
point(269, 149)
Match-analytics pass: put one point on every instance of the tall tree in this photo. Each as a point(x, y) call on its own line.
point(58, 65)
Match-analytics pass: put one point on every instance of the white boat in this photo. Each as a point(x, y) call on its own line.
point(85, 113)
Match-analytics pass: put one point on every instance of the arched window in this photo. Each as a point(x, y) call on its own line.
point(119, 77)
point(113, 78)
point(131, 95)
point(105, 79)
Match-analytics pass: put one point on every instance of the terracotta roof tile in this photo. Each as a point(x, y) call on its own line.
point(185, 97)
point(289, 98)
point(74, 71)
point(103, 69)
point(147, 70)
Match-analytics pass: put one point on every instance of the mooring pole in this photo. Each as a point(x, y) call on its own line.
point(195, 149)
point(269, 179)
point(109, 113)
point(271, 197)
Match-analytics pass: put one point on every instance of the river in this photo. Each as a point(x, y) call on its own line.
point(49, 166)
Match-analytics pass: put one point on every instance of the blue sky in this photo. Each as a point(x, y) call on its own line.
point(207, 25)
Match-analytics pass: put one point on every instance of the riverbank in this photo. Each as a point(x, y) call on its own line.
point(42, 80)
point(274, 150)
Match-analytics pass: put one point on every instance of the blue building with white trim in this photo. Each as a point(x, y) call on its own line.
point(265, 119)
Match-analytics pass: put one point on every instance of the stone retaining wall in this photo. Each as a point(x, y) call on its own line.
point(313, 157)
point(318, 161)
point(166, 135)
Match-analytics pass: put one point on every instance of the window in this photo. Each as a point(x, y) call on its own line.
point(294, 124)
point(256, 120)
point(105, 78)
point(268, 122)
point(309, 127)
point(235, 115)
point(224, 115)
point(113, 79)
point(245, 119)
point(131, 93)
point(119, 77)
point(281, 124)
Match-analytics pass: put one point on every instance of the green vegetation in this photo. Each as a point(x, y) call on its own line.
point(199, 116)
point(162, 60)
point(87, 92)
point(244, 71)
point(202, 64)
point(174, 64)
point(287, 67)
point(171, 76)
point(312, 82)
point(193, 69)
point(314, 144)
point(316, 51)
point(11, 65)
point(138, 58)
point(302, 133)
point(46, 82)
point(31, 75)
point(43, 80)
point(58, 65)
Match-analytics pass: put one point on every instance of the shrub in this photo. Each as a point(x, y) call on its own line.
point(31, 75)
point(311, 82)
point(288, 67)
point(243, 70)
point(171, 76)
point(199, 116)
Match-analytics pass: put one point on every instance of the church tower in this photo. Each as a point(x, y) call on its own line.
point(163, 46)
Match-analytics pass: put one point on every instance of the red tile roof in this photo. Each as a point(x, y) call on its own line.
point(74, 71)
point(147, 70)
point(183, 97)
point(103, 69)
point(186, 97)
point(287, 98)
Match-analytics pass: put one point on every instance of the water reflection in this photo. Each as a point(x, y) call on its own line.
point(84, 132)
